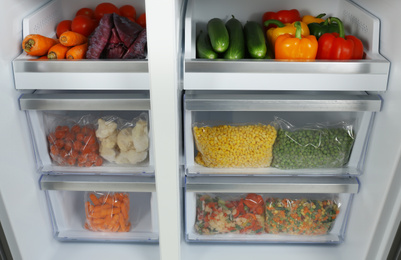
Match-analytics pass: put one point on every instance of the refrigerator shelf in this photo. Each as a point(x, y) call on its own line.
point(369, 74)
point(258, 184)
point(99, 74)
point(291, 112)
point(46, 111)
point(69, 215)
point(212, 205)
point(87, 182)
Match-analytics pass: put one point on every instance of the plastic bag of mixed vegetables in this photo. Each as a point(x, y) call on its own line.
point(312, 146)
point(107, 211)
point(72, 140)
point(313, 214)
point(229, 213)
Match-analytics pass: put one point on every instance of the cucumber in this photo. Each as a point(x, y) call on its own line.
point(204, 48)
point(255, 40)
point(218, 35)
point(236, 48)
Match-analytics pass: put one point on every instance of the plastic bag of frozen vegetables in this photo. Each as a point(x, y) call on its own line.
point(301, 215)
point(234, 146)
point(312, 146)
point(229, 213)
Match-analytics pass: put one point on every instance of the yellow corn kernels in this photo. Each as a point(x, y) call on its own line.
point(228, 146)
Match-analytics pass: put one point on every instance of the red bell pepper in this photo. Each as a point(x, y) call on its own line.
point(338, 46)
point(284, 16)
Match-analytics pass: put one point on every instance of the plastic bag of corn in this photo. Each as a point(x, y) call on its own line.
point(228, 146)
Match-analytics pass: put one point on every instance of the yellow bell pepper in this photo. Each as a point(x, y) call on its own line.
point(288, 28)
point(312, 19)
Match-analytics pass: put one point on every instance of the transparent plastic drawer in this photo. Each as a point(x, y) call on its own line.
point(102, 208)
point(90, 133)
point(101, 74)
point(268, 210)
point(369, 74)
point(277, 133)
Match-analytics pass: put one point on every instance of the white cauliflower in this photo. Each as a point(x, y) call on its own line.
point(124, 139)
point(140, 136)
point(131, 157)
point(105, 129)
point(110, 141)
point(107, 153)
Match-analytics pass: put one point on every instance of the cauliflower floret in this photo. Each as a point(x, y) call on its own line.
point(140, 136)
point(131, 157)
point(124, 140)
point(107, 153)
point(105, 129)
point(110, 141)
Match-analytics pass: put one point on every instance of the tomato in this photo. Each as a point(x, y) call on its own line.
point(253, 200)
point(83, 24)
point(105, 8)
point(63, 26)
point(87, 12)
point(128, 11)
point(142, 20)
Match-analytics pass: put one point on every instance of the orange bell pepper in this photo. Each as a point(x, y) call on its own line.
point(287, 28)
point(296, 47)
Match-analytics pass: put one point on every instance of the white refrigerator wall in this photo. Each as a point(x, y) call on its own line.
point(23, 211)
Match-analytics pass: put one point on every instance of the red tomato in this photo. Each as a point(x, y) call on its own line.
point(86, 11)
point(105, 8)
point(83, 24)
point(63, 26)
point(142, 20)
point(128, 11)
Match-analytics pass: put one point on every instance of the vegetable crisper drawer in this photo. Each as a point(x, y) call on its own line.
point(101, 74)
point(277, 133)
point(369, 74)
point(91, 133)
point(102, 208)
point(268, 210)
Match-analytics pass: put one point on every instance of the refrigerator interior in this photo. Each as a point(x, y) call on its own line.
point(377, 205)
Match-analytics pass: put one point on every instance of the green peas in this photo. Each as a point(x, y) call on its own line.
point(312, 148)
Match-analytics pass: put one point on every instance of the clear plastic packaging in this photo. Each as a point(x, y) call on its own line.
point(234, 146)
point(224, 213)
point(313, 146)
point(107, 212)
point(301, 215)
point(72, 141)
point(121, 141)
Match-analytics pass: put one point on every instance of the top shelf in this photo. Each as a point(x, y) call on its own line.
point(369, 74)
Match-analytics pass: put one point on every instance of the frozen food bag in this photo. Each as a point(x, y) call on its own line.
point(314, 146)
point(107, 211)
point(121, 141)
point(225, 213)
point(314, 215)
point(72, 141)
point(234, 146)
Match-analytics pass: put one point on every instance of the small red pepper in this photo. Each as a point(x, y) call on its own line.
point(284, 16)
point(338, 46)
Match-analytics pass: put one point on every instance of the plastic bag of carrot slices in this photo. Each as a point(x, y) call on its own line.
point(107, 211)
point(72, 140)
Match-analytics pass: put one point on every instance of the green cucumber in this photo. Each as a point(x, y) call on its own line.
point(255, 40)
point(236, 48)
point(204, 48)
point(218, 34)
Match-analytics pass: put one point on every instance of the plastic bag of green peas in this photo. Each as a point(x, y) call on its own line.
point(314, 146)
